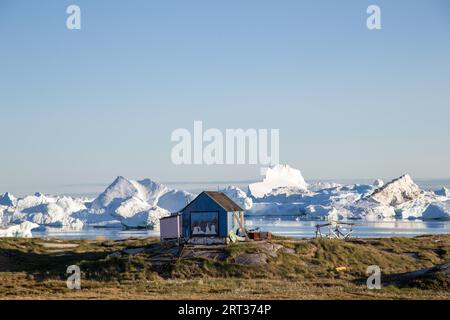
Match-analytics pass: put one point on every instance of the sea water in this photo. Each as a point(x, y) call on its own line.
point(288, 226)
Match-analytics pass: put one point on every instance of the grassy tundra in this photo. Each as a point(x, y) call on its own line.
point(279, 269)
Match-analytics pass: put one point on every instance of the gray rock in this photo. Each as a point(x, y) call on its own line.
point(251, 259)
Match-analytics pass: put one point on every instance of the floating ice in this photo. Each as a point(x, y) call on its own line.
point(22, 230)
point(238, 196)
point(397, 191)
point(278, 176)
point(8, 200)
point(146, 219)
point(437, 210)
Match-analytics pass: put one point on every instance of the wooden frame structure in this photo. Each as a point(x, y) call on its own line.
point(335, 230)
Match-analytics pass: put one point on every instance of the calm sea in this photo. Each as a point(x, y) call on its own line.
point(283, 226)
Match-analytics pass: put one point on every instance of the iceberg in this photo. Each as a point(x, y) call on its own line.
point(22, 230)
point(437, 211)
point(153, 193)
point(238, 196)
point(370, 211)
point(146, 219)
point(97, 218)
point(120, 190)
point(8, 200)
point(318, 212)
point(397, 191)
point(412, 209)
point(276, 209)
point(133, 204)
point(131, 207)
point(317, 186)
point(174, 200)
point(49, 211)
point(278, 176)
point(286, 195)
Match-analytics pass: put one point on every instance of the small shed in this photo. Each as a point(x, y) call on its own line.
point(210, 218)
point(170, 227)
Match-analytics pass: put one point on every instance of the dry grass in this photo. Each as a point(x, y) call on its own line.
point(301, 269)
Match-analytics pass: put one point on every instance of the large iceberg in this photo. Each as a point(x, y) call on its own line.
point(278, 176)
point(397, 191)
point(148, 191)
point(134, 204)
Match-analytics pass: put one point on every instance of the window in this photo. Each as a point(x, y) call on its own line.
point(205, 223)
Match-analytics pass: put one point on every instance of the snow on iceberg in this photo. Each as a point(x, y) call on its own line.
point(146, 219)
point(318, 212)
point(397, 191)
point(278, 176)
point(130, 207)
point(321, 185)
point(286, 195)
point(22, 230)
point(153, 193)
point(174, 200)
point(133, 204)
point(412, 209)
point(437, 211)
point(120, 190)
point(370, 211)
point(33, 201)
point(276, 209)
point(325, 204)
point(49, 211)
point(97, 218)
point(238, 196)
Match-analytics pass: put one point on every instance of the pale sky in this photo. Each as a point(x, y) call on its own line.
point(84, 106)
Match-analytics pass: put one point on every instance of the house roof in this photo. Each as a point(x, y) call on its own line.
point(222, 199)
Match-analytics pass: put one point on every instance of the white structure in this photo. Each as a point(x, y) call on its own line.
point(170, 227)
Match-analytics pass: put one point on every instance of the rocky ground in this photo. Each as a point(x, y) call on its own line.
point(412, 268)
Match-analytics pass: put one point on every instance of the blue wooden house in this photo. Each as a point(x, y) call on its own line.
point(211, 217)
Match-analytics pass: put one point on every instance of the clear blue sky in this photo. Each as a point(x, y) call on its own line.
point(85, 106)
